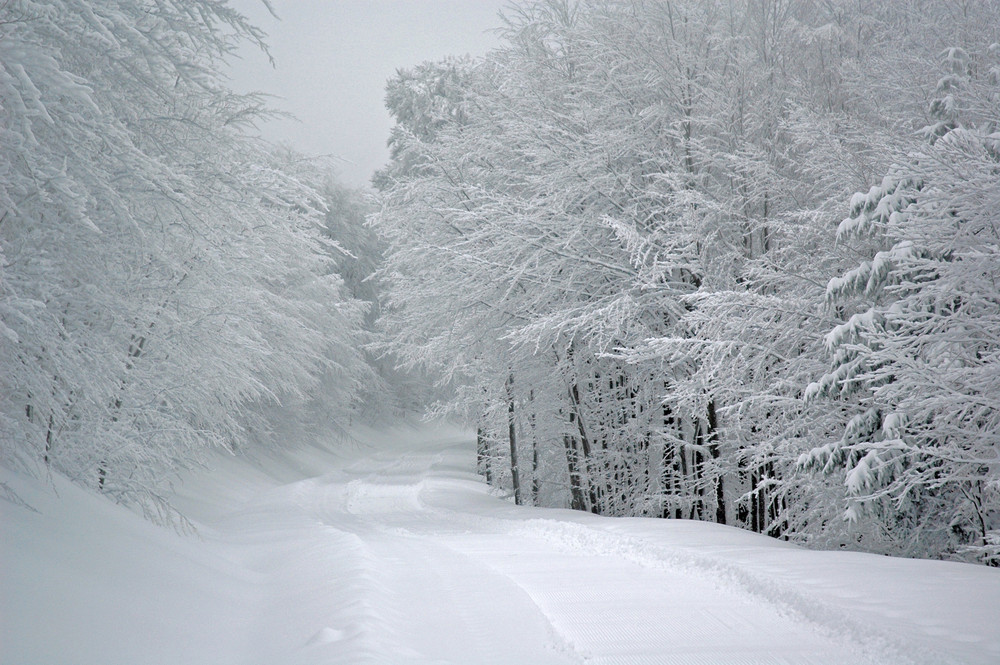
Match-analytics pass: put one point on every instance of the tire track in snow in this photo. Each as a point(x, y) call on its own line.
point(457, 610)
point(610, 610)
point(442, 572)
point(440, 606)
point(324, 596)
point(578, 619)
point(865, 643)
point(862, 642)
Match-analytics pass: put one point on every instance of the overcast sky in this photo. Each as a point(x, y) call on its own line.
point(333, 58)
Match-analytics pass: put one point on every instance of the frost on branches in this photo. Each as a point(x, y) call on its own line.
point(162, 275)
point(920, 359)
point(614, 235)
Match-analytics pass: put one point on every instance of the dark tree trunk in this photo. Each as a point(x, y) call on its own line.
point(535, 479)
point(577, 500)
point(698, 505)
point(743, 508)
point(515, 473)
point(49, 432)
point(482, 455)
point(587, 460)
point(29, 412)
point(757, 501)
point(712, 435)
point(683, 478)
point(775, 508)
point(668, 477)
point(671, 467)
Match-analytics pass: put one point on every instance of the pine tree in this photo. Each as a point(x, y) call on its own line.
point(918, 361)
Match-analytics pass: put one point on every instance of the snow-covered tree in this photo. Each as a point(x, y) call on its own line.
point(162, 274)
point(616, 238)
point(917, 360)
point(520, 210)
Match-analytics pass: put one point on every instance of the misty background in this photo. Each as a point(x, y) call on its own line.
point(332, 61)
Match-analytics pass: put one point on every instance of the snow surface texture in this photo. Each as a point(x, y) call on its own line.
point(392, 551)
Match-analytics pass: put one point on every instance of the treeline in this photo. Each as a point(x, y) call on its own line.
point(632, 239)
point(166, 282)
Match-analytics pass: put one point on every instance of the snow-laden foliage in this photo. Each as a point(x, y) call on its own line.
point(616, 234)
point(162, 275)
point(919, 359)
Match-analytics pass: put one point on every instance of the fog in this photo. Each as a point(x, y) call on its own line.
point(332, 60)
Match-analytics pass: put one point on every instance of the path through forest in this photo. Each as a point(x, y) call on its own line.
point(391, 550)
point(402, 555)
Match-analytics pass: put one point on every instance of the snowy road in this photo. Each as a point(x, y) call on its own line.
point(393, 551)
point(402, 555)
point(459, 578)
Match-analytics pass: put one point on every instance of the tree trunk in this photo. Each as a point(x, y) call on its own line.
point(774, 528)
point(482, 455)
point(698, 505)
point(49, 431)
point(668, 477)
point(712, 436)
point(536, 482)
point(670, 466)
point(577, 500)
point(535, 479)
point(682, 456)
point(743, 509)
point(515, 473)
point(29, 412)
point(587, 461)
point(757, 502)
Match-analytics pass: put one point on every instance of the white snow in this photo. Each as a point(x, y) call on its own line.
point(392, 551)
